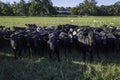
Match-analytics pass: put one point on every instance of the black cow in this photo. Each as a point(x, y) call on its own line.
point(53, 44)
point(65, 41)
point(18, 43)
point(86, 42)
point(50, 39)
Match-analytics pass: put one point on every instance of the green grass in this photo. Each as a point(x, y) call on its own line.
point(53, 21)
point(71, 67)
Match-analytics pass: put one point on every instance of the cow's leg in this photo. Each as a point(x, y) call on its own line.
point(50, 54)
point(15, 53)
point(57, 54)
point(114, 47)
point(98, 54)
point(32, 50)
point(84, 56)
point(19, 53)
point(35, 50)
point(97, 51)
point(25, 51)
point(64, 48)
point(29, 52)
point(42, 51)
point(69, 47)
point(91, 55)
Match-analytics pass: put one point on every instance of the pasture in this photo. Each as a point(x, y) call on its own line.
point(53, 21)
point(71, 67)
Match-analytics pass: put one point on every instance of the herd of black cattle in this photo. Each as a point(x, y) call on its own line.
point(39, 40)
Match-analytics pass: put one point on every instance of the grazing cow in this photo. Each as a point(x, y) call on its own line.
point(40, 38)
point(86, 42)
point(65, 41)
point(1, 40)
point(116, 33)
point(53, 44)
point(18, 43)
point(15, 28)
point(50, 39)
point(6, 36)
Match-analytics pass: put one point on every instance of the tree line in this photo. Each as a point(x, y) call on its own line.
point(89, 7)
point(31, 8)
point(46, 8)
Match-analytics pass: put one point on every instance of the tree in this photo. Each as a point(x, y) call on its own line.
point(89, 7)
point(5, 9)
point(41, 8)
point(48, 7)
point(9, 11)
point(22, 8)
point(45, 8)
point(32, 11)
point(117, 8)
point(74, 11)
point(81, 10)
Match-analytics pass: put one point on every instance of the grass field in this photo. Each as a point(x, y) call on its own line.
point(70, 68)
point(53, 21)
point(107, 67)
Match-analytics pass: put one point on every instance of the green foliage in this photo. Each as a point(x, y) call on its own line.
point(32, 8)
point(21, 9)
point(89, 7)
point(45, 8)
point(74, 11)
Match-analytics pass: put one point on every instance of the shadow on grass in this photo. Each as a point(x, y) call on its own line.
point(104, 58)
